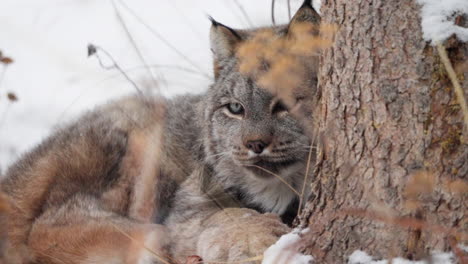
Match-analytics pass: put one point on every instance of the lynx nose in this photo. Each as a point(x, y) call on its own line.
point(256, 146)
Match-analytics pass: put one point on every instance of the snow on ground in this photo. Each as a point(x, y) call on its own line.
point(285, 250)
point(438, 19)
point(54, 80)
point(361, 257)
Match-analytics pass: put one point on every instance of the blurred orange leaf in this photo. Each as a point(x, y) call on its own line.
point(458, 187)
point(421, 182)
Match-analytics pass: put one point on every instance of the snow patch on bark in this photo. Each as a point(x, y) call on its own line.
point(285, 250)
point(438, 19)
point(463, 247)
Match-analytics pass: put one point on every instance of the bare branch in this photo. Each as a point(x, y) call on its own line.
point(135, 47)
point(306, 176)
point(244, 13)
point(167, 66)
point(161, 38)
point(273, 12)
point(94, 50)
point(456, 84)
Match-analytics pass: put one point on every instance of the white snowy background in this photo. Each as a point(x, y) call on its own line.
point(55, 81)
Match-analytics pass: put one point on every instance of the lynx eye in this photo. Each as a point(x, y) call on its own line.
point(279, 107)
point(235, 108)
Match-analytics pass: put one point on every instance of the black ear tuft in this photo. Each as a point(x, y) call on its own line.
point(224, 41)
point(213, 21)
point(305, 14)
point(216, 24)
point(307, 3)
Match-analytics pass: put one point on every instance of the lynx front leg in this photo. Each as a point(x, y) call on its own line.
point(81, 233)
point(237, 234)
point(228, 235)
point(207, 222)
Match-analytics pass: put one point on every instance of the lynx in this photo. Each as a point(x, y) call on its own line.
point(149, 180)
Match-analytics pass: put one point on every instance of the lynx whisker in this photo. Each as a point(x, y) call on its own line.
point(218, 156)
point(277, 176)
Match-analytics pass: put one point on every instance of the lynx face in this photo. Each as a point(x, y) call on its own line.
point(253, 129)
point(249, 135)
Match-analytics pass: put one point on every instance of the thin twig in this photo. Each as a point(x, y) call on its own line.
point(52, 257)
point(161, 38)
point(127, 70)
point(459, 253)
point(277, 176)
point(244, 13)
point(456, 84)
point(2, 75)
point(140, 244)
point(306, 176)
point(169, 66)
point(4, 114)
point(184, 18)
point(94, 51)
point(273, 12)
point(289, 9)
point(406, 222)
point(135, 46)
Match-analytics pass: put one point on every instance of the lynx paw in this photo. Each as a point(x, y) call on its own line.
point(239, 234)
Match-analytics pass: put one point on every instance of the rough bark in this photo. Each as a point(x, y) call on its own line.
point(387, 113)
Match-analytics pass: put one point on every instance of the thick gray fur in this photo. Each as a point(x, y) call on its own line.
point(205, 165)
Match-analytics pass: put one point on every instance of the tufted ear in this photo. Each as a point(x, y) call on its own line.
point(305, 14)
point(224, 41)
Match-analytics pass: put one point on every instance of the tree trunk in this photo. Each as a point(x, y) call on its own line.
point(392, 138)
